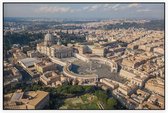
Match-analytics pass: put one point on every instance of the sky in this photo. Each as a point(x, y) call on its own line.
point(113, 11)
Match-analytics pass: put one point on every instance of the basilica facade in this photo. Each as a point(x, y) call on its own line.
point(49, 48)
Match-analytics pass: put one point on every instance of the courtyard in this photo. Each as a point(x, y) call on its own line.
point(87, 101)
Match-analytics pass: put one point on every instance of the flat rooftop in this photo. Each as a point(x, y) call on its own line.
point(38, 96)
point(29, 61)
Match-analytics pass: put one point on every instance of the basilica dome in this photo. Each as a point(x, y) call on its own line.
point(48, 39)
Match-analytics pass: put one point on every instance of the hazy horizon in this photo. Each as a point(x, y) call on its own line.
point(86, 11)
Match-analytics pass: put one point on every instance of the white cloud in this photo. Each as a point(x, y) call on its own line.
point(89, 8)
point(111, 7)
point(92, 7)
point(133, 5)
point(115, 7)
point(55, 9)
point(143, 10)
point(106, 5)
point(85, 8)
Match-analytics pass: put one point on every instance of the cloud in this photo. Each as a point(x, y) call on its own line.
point(89, 8)
point(133, 5)
point(92, 7)
point(95, 7)
point(85, 8)
point(55, 9)
point(106, 5)
point(143, 10)
point(115, 7)
point(110, 7)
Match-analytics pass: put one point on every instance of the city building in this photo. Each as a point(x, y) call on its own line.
point(18, 55)
point(54, 50)
point(44, 66)
point(155, 102)
point(135, 61)
point(159, 50)
point(155, 85)
point(61, 51)
point(81, 49)
point(97, 50)
point(88, 48)
point(26, 100)
point(50, 78)
point(127, 89)
point(140, 96)
point(139, 81)
point(11, 76)
point(28, 65)
point(112, 84)
point(33, 53)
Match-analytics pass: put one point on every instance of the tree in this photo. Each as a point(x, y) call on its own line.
point(102, 96)
point(89, 88)
point(111, 102)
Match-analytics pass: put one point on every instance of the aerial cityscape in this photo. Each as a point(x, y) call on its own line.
point(84, 56)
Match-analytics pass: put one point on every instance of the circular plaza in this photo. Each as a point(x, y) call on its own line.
point(92, 68)
point(96, 67)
